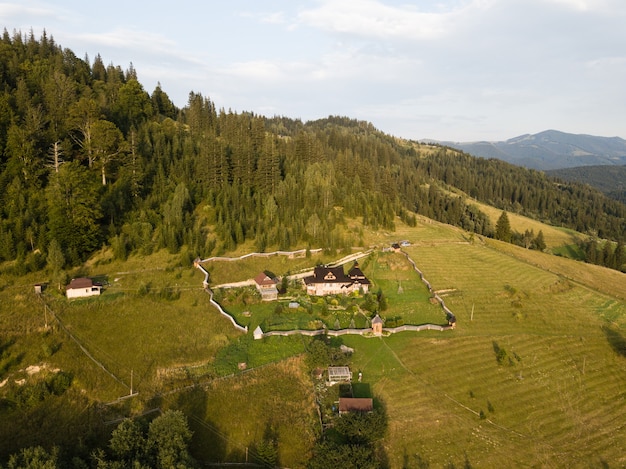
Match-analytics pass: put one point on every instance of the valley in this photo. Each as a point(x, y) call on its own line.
point(117, 350)
point(557, 393)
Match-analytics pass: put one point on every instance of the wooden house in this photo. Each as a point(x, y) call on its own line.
point(266, 286)
point(334, 281)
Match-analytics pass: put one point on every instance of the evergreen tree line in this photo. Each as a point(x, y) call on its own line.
point(89, 158)
point(529, 192)
point(161, 444)
point(605, 253)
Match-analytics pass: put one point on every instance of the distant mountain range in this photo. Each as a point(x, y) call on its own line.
point(550, 149)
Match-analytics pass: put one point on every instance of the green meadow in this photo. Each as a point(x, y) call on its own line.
point(533, 375)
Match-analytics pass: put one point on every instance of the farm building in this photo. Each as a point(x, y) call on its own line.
point(82, 287)
point(333, 281)
point(377, 325)
point(266, 286)
point(355, 404)
point(338, 374)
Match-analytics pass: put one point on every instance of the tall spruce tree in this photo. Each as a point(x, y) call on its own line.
point(503, 228)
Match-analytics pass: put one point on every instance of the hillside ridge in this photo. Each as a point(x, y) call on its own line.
point(550, 149)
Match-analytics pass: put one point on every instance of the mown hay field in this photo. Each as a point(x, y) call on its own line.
point(533, 375)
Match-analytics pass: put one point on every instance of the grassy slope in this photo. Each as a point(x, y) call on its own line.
point(554, 236)
point(558, 402)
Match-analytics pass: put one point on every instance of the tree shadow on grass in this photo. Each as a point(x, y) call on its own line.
point(208, 442)
point(616, 340)
point(361, 390)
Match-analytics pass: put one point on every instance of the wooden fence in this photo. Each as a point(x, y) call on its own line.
point(334, 333)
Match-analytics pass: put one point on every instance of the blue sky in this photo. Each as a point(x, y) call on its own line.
point(458, 70)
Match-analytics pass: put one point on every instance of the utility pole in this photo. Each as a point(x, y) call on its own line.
point(472, 315)
point(131, 382)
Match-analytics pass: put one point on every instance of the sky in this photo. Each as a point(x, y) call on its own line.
point(452, 70)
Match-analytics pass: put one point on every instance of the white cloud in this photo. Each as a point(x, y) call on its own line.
point(581, 5)
point(267, 71)
point(273, 18)
point(8, 10)
point(129, 39)
point(371, 18)
point(448, 69)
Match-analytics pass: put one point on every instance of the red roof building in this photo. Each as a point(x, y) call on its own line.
point(266, 286)
point(355, 404)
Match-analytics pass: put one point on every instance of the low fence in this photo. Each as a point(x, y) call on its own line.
point(258, 334)
point(362, 332)
point(301, 252)
point(421, 327)
point(449, 314)
point(333, 333)
point(205, 283)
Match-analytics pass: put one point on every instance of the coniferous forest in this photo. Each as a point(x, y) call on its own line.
point(88, 158)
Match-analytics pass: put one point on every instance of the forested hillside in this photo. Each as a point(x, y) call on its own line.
point(89, 158)
point(609, 179)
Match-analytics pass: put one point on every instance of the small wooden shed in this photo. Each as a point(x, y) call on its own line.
point(377, 325)
point(355, 404)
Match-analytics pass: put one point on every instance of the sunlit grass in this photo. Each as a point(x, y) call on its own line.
point(556, 399)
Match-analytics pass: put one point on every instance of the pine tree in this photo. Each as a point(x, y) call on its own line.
point(539, 242)
point(620, 256)
point(503, 228)
point(56, 262)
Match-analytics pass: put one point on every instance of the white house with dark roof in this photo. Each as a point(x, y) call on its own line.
point(82, 287)
point(334, 281)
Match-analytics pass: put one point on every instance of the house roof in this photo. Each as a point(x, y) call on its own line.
point(356, 404)
point(357, 274)
point(377, 320)
point(324, 274)
point(81, 282)
point(265, 280)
